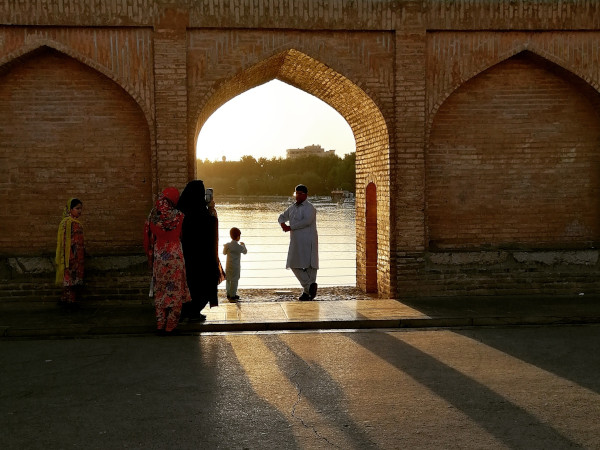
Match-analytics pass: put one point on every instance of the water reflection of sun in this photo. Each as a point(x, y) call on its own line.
point(264, 264)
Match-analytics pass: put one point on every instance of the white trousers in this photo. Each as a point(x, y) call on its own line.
point(231, 286)
point(306, 277)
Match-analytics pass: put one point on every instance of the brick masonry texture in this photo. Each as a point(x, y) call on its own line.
point(475, 121)
point(535, 182)
point(68, 131)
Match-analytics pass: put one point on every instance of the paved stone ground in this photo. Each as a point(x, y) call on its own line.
point(486, 388)
point(292, 294)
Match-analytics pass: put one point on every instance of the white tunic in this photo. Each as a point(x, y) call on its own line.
point(304, 241)
point(233, 250)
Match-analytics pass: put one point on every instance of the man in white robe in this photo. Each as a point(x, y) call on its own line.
point(303, 253)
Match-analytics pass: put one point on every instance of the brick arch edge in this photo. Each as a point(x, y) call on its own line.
point(504, 57)
point(31, 47)
point(358, 109)
point(40, 44)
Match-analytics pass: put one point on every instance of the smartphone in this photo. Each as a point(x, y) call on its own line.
point(208, 195)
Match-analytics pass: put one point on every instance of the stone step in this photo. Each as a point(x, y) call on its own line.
point(112, 278)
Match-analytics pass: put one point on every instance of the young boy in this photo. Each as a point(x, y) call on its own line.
point(233, 250)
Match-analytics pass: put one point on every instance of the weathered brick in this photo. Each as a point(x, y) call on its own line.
point(469, 148)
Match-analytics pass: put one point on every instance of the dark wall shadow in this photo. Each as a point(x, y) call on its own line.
point(172, 392)
point(316, 386)
point(568, 351)
point(508, 422)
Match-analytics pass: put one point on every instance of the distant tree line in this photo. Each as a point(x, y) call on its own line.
point(277, 176)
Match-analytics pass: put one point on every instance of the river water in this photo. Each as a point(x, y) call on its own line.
point(264, 264)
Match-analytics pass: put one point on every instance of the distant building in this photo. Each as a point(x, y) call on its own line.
point(312, 150)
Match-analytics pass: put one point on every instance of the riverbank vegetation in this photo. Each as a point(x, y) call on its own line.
point(278, 176)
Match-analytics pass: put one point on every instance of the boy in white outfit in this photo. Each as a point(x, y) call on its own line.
point(233, 250)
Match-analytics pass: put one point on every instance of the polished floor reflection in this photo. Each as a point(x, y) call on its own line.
point(341, 310)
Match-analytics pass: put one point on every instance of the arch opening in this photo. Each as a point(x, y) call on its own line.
point(360, 112)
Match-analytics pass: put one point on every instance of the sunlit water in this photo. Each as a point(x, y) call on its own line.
point(264, 264)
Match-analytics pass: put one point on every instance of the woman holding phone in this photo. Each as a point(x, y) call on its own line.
point(200, 241)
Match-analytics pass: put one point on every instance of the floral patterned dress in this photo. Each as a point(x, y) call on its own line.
point(163, 248)
point(74, 273)
point(70, 259)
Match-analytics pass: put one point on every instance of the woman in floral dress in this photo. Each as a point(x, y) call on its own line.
point(163, 248)
point(70, 253)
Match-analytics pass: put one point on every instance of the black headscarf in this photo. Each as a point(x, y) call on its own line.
point(191, 202)
point(200, 241)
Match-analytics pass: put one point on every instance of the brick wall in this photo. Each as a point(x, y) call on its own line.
point(175, 165)
point(529, 160)
point(407, 194)
point(513, 161)
point(466, 115)
point(69, 131)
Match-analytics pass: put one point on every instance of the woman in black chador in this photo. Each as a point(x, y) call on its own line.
point(200, 242)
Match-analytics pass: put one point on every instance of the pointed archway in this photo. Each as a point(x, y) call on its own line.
point(368, 126)
point(522, 171)
point(68, 130)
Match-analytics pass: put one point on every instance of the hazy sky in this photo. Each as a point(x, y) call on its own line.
point(267, 120)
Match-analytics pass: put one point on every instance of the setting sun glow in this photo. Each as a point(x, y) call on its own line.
point(268, 120)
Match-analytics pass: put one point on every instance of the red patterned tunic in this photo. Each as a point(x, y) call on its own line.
point(74, 273)
point(168, 271)
point(163, 248)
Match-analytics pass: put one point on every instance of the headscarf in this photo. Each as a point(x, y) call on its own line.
point(192, 202)
point(164, 214)
point(63, 240)
point(172, 194)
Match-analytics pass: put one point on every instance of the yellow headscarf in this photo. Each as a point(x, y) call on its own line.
point(63, 242)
